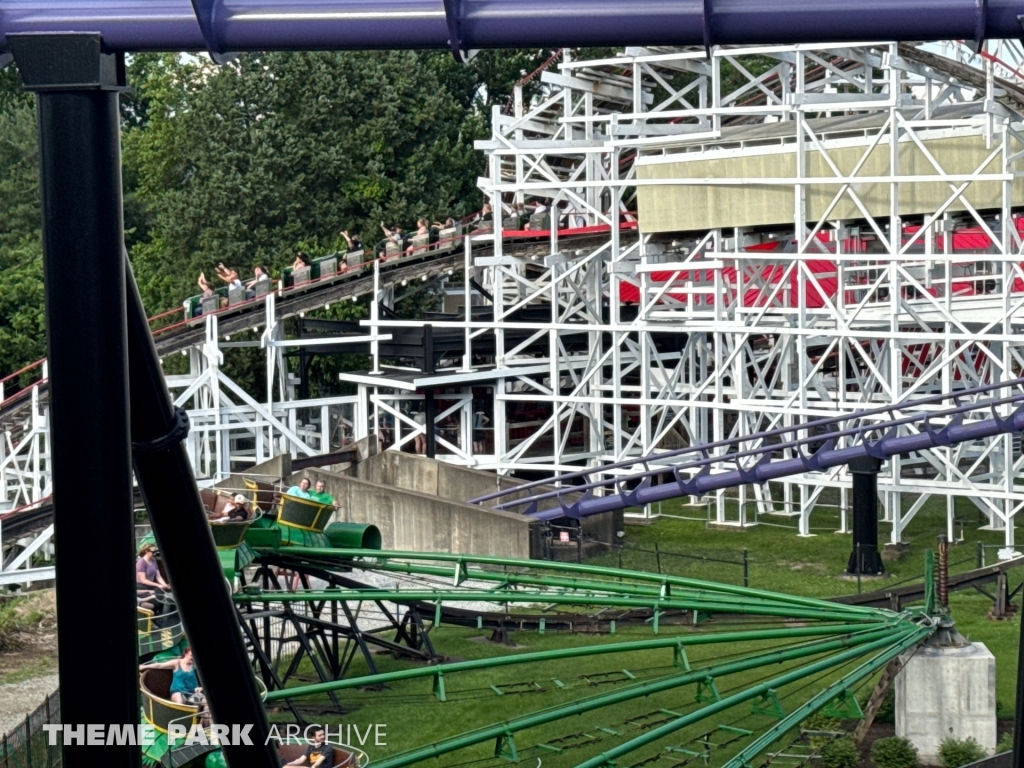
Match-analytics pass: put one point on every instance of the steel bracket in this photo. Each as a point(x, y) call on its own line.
point(768, 705)
point(707, 690)
point(845, 707)
point(505, 747)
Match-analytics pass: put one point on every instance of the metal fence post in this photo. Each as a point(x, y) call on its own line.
point(49, 719)
point(942, 587)
point(746, 569)
point(859, 568)
point(929, 582)
point(981, 555)
point(28, 741)
point(657, 556)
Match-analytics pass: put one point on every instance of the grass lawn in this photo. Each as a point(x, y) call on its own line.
point(414, 717)
point(782, 561)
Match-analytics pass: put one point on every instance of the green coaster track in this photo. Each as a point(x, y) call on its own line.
point(798, 656)
point(630, 668)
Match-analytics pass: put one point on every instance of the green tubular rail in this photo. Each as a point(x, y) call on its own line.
point(895, 646)
point(571, 653)
point(863, 643)
point(728, 598)
point(378, 562)
point(813, 704)
point(520, 579)
point(653, 602)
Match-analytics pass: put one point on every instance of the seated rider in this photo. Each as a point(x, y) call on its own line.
point(204, 286)
point(259, 276)
point(396, 236)
point(147, 574)
point(185, 687)
point(236, 509)
point(301, 261)
point(319, 754)
point(301, 490)
point(321, 495)
point(352, 243)
point(229, 276)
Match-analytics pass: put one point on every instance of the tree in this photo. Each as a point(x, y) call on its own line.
point(245, 162)
point(22, 331)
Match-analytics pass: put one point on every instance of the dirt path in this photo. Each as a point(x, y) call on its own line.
point(19, 699)
point(28, 671)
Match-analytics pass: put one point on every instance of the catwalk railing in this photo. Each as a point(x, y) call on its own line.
point(677, 474)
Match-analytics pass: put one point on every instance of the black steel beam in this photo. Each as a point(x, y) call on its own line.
point(864, 559)
point(186, 545)
point(76, 89)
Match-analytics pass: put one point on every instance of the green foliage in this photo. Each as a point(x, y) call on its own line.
point(1005, 743)
point(19, 173)
point(244, 162)
point(823, 723)
point(820, 722)
point(12, 623)
point(22, 336)
point(894, 752)
point(248, 162)
point(840, 753)
point(957, 752)
point(11, 94)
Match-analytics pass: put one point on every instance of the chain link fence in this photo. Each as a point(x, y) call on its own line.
point(756, 570)
point(27, 746)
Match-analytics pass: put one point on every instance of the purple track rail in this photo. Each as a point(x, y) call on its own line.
point(220, 26)
point(690, 468)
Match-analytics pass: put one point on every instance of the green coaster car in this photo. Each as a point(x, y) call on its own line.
point(157, 708)
point(304, 514)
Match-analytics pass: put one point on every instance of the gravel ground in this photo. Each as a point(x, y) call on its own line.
point(19, 699)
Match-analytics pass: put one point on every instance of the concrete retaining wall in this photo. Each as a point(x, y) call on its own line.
point(438, 478)
point(419, 504)
point(409, 520)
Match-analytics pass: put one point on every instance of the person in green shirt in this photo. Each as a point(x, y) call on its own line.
point(320, 494)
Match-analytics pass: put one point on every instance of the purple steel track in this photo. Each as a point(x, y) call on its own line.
point(243, 25)
point(699, 481)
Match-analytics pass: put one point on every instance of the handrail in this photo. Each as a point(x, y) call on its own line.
point(28, 367)
point(25, 507)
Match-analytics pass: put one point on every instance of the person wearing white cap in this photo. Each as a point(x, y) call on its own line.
point(236, 509)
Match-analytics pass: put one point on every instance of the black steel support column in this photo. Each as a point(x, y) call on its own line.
point(80, 185)
point(430, 407)
point(187, 549)
point(1018, 715)
point(865, 517)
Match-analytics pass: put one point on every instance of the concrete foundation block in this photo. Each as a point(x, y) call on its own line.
point(946, 693)
point(892, 553)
